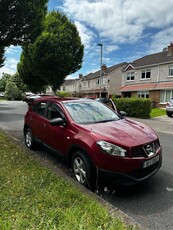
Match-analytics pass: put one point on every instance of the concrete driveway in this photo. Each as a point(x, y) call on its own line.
point(163, 124)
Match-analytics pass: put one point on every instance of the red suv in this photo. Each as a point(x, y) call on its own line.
point(96, 142)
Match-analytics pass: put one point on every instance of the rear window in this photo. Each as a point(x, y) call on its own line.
point(40, 108)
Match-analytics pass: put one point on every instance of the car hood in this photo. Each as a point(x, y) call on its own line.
point(125, 132)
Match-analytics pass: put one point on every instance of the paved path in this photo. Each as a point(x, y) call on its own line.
point(163, 124)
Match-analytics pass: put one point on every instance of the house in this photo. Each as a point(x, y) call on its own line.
point(150, 77)
point(102, 83)
point(69, 85)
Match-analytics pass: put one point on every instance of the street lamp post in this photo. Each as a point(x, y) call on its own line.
point(101, 51)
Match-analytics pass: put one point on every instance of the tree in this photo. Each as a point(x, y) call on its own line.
point(21, 21)
point(2, 59)
point(16, 83)
point(3, 81)
point(56, 53)
point(29, 78)
point(11, 91)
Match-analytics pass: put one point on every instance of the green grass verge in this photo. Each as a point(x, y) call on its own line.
point(156, 112)
point(33, 197)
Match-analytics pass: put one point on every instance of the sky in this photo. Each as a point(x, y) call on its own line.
point(127, 29)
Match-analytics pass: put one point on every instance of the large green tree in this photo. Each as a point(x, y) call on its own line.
point(56, 53)
point(20, 21)
point(29, 77)
point(2, 59)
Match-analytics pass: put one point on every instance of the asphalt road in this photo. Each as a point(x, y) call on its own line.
point(150, 203)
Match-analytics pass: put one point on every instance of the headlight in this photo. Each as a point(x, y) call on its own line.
point(111, 149)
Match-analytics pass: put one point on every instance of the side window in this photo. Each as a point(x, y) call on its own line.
point(40, 108)
point(53, 112)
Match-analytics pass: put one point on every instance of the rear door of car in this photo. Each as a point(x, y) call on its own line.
point(39, 121)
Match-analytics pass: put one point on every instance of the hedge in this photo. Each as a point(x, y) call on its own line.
point(134, 107)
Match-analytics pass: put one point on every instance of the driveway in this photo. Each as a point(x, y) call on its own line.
point(163, 124)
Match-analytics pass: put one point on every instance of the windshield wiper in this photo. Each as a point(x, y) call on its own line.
point(107, 120)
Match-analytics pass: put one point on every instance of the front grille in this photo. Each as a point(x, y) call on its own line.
point(141, 151)
point(143, 172)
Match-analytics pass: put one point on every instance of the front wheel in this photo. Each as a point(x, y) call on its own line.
point(83, 170)
point(29, 140)
point(169, 114)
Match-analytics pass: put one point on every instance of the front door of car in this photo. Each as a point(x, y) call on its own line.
point(56, 136)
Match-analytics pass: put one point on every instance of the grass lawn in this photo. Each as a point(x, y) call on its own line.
point(156, 112)
point(33, 197)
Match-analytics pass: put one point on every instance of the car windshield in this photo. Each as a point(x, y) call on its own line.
point(87, 112)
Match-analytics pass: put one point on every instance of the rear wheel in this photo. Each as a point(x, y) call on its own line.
point(29, 140)
point(83, 170)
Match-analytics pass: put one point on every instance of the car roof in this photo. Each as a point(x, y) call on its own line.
point(60, 99)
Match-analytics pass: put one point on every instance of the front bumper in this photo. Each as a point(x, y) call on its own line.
point(134, 177)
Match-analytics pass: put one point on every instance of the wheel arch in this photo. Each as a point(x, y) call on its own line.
point(25, 127)
point(75, 148)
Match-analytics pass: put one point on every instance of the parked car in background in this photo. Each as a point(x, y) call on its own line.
point(109, 102)
point(169, 108)
point(96, 142)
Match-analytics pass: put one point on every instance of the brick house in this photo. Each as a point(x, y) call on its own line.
point(104, 83)
point(150, 77)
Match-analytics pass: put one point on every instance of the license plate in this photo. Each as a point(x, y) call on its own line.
point(150, 162)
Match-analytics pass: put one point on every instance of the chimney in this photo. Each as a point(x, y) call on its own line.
point(80, 76)
point(170, 49)
point(104, 68)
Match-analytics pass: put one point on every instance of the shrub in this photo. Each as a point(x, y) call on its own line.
point(11, 91)
point(63, 94)
point(134, 107)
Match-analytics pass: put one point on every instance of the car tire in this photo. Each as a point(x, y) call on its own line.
point(169, 114)
point(83, 170)
point(29, 139)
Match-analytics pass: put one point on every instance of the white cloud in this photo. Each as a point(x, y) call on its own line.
point(161, 40)
point(13, 50)
point(9, 66)
point(121, 20)
point(12, 55)
point(87, 36)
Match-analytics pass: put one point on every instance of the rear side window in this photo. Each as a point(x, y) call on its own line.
point(40, 108)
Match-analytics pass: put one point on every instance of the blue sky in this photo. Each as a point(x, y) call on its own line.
point(128, 30)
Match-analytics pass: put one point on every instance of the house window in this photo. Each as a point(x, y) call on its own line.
point(171, 70)
point(143, 94)
point(74, 86)
point(146, 74)
point(89, 84)
point(165, 95)
point(104, 80)
point(64, 88)
point(84, 84)
point(130, 76)
point(99, 81)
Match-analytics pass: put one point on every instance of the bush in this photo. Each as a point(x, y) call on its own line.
point(11, 91)
point(63, 94)
point(134, 107)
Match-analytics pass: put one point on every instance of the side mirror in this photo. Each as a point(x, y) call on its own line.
point(58, 122)
point(122, 113)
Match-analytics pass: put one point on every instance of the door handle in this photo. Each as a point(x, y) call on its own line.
point(31, 118)
point(45, 125)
